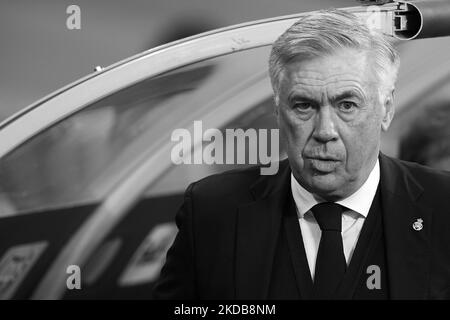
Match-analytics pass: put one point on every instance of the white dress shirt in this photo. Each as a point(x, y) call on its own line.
point(358, 205)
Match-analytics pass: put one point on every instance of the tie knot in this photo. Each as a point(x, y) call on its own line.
point(328, 215)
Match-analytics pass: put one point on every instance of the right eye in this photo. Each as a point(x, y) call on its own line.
point(303, 106)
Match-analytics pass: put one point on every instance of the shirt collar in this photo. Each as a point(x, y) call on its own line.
point(360, 201)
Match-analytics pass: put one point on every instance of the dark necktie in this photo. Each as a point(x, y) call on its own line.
point(330, 262)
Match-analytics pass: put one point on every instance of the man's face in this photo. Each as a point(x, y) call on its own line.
point(331, 114)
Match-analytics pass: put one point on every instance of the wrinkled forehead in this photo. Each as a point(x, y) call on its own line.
point(345, 68)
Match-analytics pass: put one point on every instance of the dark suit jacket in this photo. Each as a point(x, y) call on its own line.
point(229, 223)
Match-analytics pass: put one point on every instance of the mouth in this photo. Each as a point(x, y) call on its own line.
point(323, 164)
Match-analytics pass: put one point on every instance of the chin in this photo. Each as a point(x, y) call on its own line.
point(325, 186)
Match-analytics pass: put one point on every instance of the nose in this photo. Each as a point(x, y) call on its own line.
point(324, 126)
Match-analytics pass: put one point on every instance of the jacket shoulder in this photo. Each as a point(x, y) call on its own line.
point(427, 176)
point(226, 184)
point(434, 183)
point(237, 185)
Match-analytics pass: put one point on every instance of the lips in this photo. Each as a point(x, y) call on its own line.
point(319, 155)
point(323, 164)
point(324, 158)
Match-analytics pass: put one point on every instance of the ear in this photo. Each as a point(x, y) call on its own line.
point(388, 110)
point(276, 105)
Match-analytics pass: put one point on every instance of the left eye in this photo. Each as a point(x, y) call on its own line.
point(347, 106)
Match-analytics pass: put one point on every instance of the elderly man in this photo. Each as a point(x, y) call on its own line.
point(339, 220)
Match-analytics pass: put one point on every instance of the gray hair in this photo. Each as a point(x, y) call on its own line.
point(325, 31)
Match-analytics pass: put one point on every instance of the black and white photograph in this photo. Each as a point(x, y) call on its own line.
point(221, 157)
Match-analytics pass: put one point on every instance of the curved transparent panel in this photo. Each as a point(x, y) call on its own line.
point(258, 119)
point(81, 158)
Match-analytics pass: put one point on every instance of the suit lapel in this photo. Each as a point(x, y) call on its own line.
point(258, 228)
point(407, 250)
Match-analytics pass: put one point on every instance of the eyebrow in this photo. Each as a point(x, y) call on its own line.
point(349, 94)
point(296, 96)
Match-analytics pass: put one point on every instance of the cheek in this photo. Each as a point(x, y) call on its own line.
point(361, 141)
point(294, 131)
